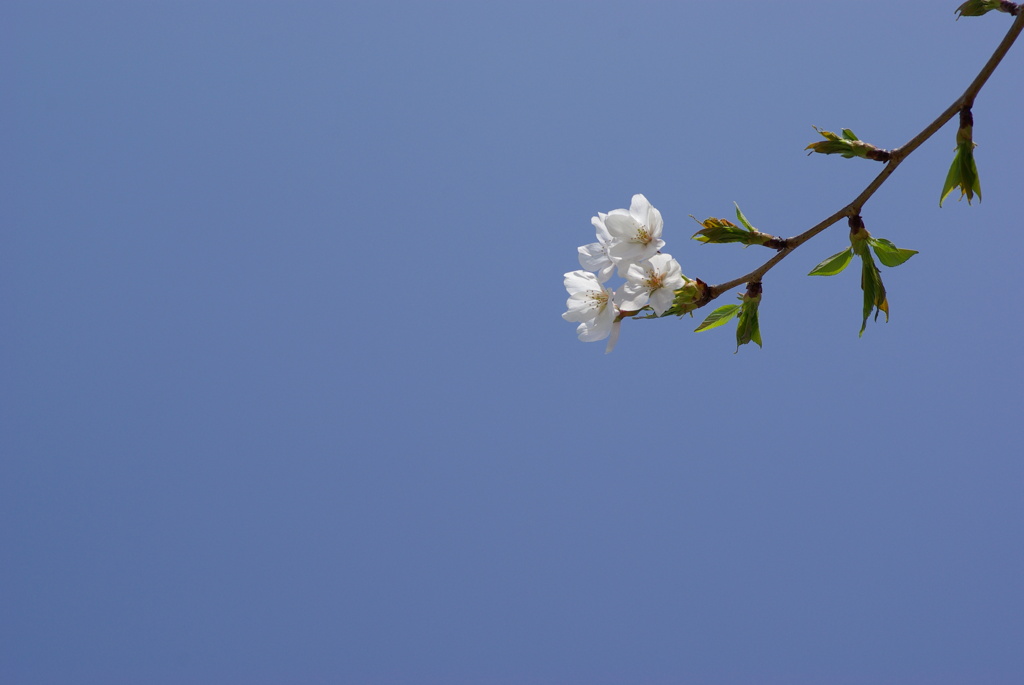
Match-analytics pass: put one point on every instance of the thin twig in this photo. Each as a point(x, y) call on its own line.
point(898, 155)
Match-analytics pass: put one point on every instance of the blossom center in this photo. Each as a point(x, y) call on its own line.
point(643, 236)
point(654, 280)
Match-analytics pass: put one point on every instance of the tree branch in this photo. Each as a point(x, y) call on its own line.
point(965, 101)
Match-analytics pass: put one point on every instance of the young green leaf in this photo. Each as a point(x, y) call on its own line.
point(952, 178)
point(849, 145)
point(714, 230)
point(718, 317)
point(963, 172)
point(834, 264)
point(719, 231)
point(748, 328)
point(742, 219)
point(874, 291)
point(969, 174)
point(976, 8)
point(889, 254)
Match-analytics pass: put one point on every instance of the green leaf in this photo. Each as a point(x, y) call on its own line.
point(742, 219)
point(849, 145)
point(969, 175)
point(834, 264)
point(718, 317)
point(874, 291)
point(719, 231)
point(976, 8)
point(963, 172)
point(827, 134)
point(889, 254)
point(748, 328)
point(952, 178)
point(714, 230)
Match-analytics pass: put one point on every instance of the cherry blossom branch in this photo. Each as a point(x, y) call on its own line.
point(961, 105)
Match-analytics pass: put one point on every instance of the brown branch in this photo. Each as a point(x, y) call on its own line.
point(897, 156)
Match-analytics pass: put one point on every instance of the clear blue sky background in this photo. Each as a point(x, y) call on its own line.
point(286, 394)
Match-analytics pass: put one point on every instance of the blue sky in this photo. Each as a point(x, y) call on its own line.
point(286, 394)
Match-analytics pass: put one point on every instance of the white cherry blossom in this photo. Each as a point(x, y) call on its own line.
point(594, 257)
point(629, 242)
point(652, 281)
point(636, 233)
point(591, 304)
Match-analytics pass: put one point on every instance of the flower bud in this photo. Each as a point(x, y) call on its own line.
point(689, 297)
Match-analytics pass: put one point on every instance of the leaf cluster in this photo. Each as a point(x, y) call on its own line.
point(748, 327)
point(849, 145)
point(976, 8)
point(888, 254)
point(724, 231)
point(963, 173)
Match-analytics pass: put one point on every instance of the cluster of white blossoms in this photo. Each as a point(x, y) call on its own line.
point(628, 243)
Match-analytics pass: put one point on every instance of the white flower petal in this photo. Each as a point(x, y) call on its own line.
point(620, 225)
point(673, 283)
point(598, 328)
point(603, 236)
point(633, 252)
point(580, 281)
point(639, 208)
point(634, 303)
point(630, 252)
point(655, 223)
point(614, 336)
point(637, 271)
point(592, 256)
point(660, 262)
point(661, 300)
